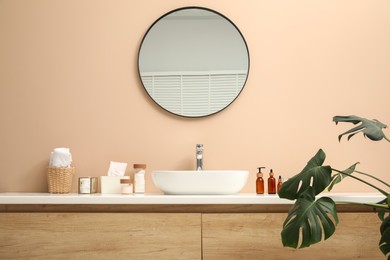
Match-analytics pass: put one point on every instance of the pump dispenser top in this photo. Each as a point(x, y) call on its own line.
point(260, 174)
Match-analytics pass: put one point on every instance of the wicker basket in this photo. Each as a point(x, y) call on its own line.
point(59, 179)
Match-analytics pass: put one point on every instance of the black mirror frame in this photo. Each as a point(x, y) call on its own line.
point(202, 8)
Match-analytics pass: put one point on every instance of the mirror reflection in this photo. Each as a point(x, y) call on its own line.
point(193, 62)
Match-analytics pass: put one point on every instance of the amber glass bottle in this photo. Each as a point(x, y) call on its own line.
point(260, 182)
point(271, 183)
point(279, 183)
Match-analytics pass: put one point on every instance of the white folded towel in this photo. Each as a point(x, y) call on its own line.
point(60, 157)
point(117, 169)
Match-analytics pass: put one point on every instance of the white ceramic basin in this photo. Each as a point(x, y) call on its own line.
point(200, 182)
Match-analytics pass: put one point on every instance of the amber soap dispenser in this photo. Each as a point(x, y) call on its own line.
point(260, 182)
point(271, 183)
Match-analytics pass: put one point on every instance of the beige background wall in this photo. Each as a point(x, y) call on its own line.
point(68, 78)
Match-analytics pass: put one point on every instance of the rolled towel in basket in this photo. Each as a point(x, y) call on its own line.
point(60, 157)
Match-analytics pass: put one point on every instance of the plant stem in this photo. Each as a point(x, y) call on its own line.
point(369, 184)
point(387, 139)
point(369, 175)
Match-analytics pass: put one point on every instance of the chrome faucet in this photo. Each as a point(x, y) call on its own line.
point(199, 157)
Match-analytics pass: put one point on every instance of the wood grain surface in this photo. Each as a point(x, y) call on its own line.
point(100, 236)
point(209, 236)
point(167, 208)
point(257, 236)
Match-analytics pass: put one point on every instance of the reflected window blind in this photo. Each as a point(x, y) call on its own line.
point(194, 93)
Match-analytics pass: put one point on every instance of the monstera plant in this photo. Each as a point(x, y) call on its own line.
point(310, 219)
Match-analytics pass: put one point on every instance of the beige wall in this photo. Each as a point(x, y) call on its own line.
point(68, 78)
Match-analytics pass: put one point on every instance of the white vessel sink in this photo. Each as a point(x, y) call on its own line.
point(200, 182)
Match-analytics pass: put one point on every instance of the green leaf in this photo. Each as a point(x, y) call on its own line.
point(314, 172)
point(382, 214)
point(307, 219)
point(384, 243)
point(338, 177)
point(370, 128)
point(388, 200)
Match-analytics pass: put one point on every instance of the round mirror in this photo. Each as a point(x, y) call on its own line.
point(193, 62)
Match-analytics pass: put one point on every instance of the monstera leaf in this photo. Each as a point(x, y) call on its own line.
point(340, 176)
point(384, 243)
point(307, 219)
point(370, 128)
point(310, 220)
point(314, 174)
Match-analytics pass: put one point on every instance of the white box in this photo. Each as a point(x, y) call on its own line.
point(111, 184)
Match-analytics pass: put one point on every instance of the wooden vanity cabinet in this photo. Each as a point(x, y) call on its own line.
point(257, 236)
point(182, 232)
point(100, 236)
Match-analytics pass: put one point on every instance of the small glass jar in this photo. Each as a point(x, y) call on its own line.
point(139, 178)
point(126, 187)
point(88, 185)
